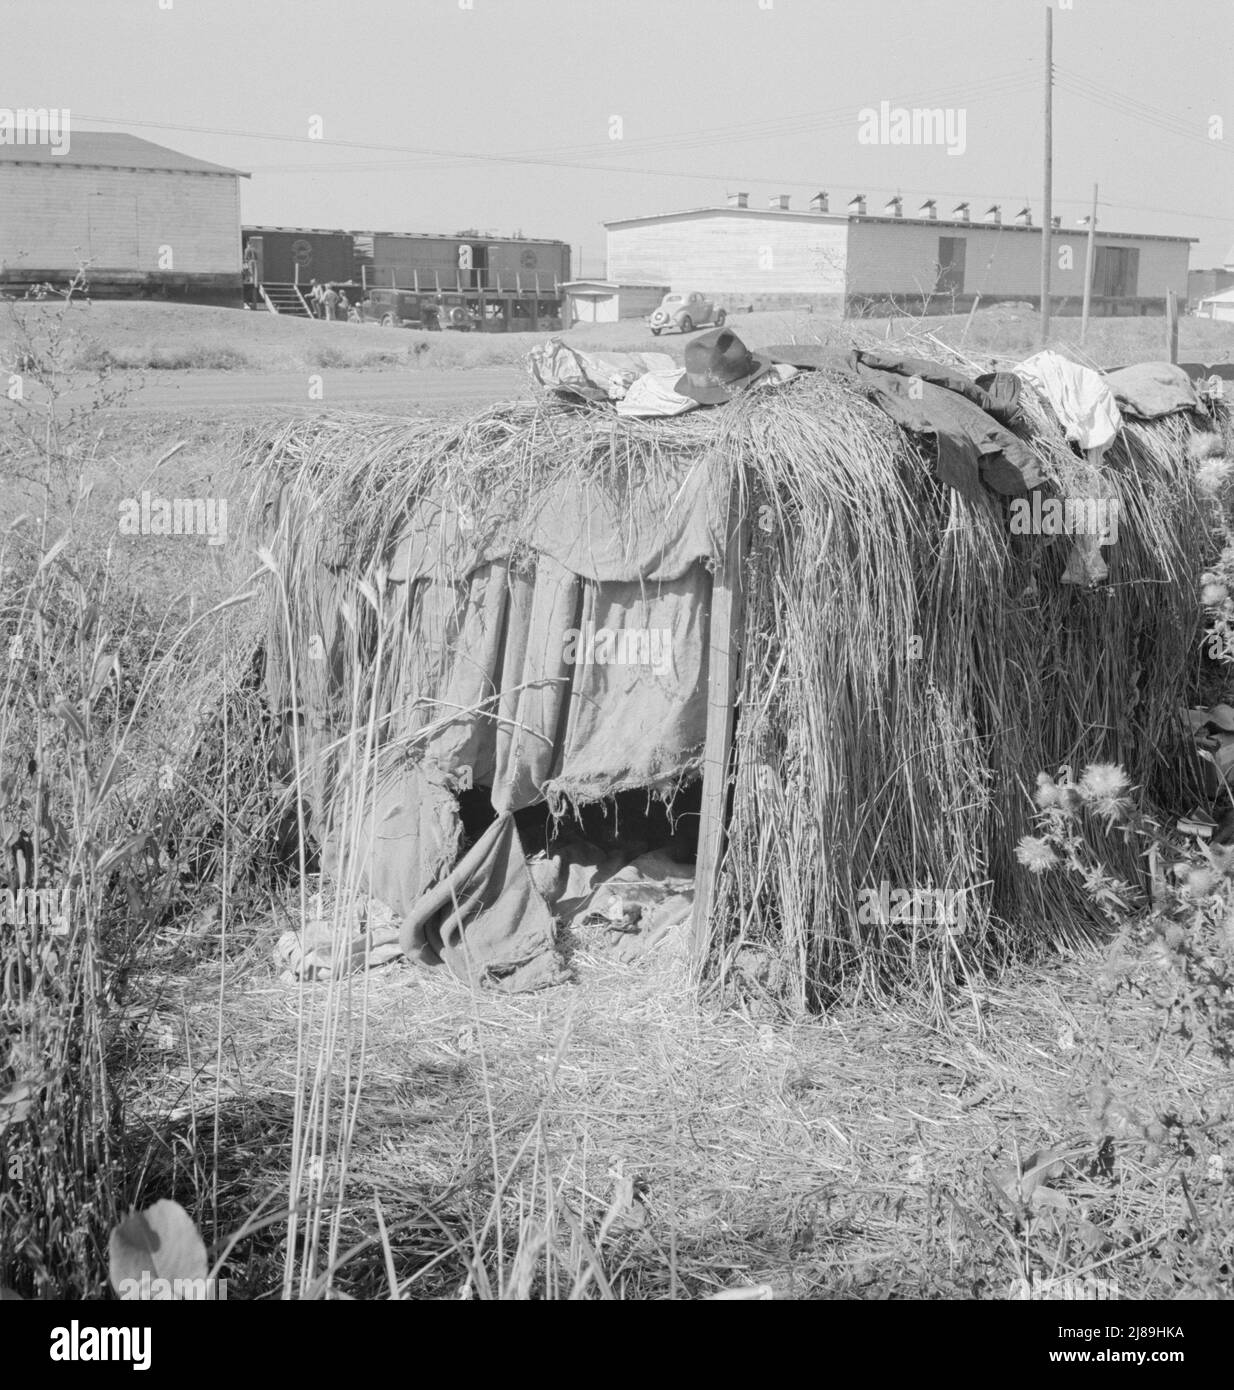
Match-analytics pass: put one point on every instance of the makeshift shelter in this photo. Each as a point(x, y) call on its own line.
point(857, 669)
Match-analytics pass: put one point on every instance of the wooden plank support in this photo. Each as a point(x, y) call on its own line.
point(726, 634)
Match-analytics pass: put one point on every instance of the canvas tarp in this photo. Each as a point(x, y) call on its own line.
point(558, 657)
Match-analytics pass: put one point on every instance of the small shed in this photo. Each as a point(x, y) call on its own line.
point(606, 301)
point(1218, 306)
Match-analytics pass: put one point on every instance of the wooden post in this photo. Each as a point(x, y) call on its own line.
point(1089, 256)
point(969, 323)
point(1047, 221)
point(726, 632)
point(1171, 323)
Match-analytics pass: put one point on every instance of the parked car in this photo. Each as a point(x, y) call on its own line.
point(686, 312)
point(400, 309)
point(458, 317)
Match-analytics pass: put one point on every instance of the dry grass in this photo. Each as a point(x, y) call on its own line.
point(161, 337)
point(614, 1140)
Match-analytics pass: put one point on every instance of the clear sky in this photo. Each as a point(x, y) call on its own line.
point(500, 116)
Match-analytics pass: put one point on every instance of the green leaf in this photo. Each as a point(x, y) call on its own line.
point(16, 1105)
point(161, 1241)
point(105, 665)
point(65, 711)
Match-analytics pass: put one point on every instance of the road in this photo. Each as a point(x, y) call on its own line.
point(203, 392)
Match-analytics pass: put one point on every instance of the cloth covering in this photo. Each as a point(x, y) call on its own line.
point(615, 903)
point(974, 450)
point(649, 528)
point(1150, 390)
point(1002, 402)
point(561, 659)
point(1086, 407)
point(592, 376)
point(1080, 397)
point(656, 394)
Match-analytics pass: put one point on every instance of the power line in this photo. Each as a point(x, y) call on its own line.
point(806, 123)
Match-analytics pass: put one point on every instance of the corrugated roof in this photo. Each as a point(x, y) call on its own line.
point(107, 149)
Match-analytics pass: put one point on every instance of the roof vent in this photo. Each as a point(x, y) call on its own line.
point(739, 200)
point(818, 203)
point(857, 205)
point(779, 201)
point(1056, 222)
point(894, 206)
point(1024, 218)
point(994, 215)
point(930, 209)
point(961, 210)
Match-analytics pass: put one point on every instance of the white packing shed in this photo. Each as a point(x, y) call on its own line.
point(606, 301)
point(1218, 306)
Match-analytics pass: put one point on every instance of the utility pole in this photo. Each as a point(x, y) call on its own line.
point(1047, 223)
point(1088, 267)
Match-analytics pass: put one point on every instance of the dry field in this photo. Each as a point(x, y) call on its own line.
point(620, 1136)
point(164, 337)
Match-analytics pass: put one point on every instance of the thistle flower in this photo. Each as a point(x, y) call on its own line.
point(1213, 594)
point(1046, 794)
point(1103, 787)
point(1213, 475)
point(1201, 883)
point(1037, 855)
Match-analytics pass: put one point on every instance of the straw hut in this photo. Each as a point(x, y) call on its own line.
point(865, 671)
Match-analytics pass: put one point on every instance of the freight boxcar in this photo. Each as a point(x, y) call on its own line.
point(289, 255)
point(495, 278)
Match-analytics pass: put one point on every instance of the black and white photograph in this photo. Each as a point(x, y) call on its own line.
point(616, 670)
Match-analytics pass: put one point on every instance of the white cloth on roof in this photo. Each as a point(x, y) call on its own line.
point(655, 393)
point(593, 375)
point(1079, 396)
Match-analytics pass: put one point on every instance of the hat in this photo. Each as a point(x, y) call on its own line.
point(718, 365)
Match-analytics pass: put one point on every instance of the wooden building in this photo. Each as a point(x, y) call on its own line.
point(851, 263)
point(144, 220)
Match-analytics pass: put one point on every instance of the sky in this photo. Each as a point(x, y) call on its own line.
point(549, 117)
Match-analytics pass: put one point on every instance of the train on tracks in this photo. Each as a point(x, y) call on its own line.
point(467, 281)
